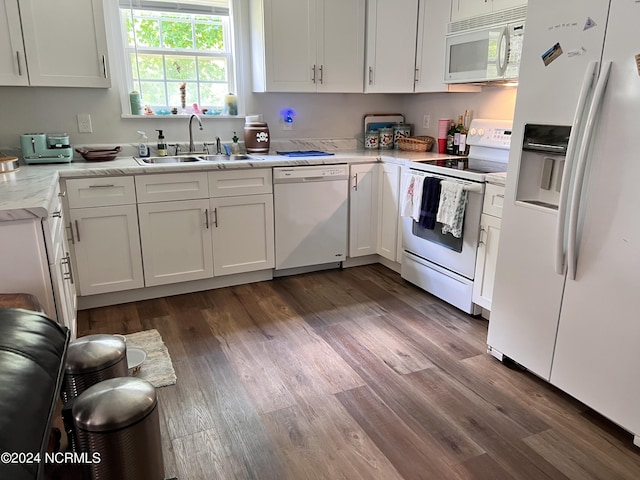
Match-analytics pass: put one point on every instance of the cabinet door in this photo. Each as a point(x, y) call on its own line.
point(340, 52)
point(470, 8)
point(61, 54)
point(64, 287)
point(176, 241)
point(363, 210)
point(391, 46)
point(388, 211)
point(13, 66)
point(290, 45)
point(486, 261)
point(243, 235)
point(107, 248)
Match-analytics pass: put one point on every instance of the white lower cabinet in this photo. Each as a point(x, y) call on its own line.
point(104, 234)
point(107, 248)
point(176, 241)
point(363, 209)
point(487, 255)
point(243, 234)
point(389, 231)
point(64, 286)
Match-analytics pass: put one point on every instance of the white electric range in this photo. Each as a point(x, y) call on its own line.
point(438, 262)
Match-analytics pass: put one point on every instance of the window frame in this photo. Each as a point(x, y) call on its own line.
point(125, 80)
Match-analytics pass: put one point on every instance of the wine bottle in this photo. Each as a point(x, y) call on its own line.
point(459, 130)
point(450, 134)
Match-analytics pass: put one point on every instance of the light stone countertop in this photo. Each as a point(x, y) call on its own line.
point(28, 192)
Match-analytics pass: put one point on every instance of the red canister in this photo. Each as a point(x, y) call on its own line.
point(256, 137)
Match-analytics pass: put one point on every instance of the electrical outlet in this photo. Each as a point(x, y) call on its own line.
point(426, 121)
point(84, 123)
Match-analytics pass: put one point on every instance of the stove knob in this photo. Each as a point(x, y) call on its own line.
point(472, 131)
point(481, 131)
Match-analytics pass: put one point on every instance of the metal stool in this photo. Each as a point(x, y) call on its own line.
point(117, 420)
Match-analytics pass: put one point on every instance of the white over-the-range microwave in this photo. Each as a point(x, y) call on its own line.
point(485, 48)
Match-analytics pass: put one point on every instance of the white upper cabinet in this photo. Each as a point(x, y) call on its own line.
point(13, 66)
point(391, 46)
point(461, 9)
point(307, 45)
point(53, 43)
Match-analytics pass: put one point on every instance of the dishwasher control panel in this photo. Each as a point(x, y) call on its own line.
point(311, 173)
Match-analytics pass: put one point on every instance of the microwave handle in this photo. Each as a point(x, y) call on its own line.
point(503, 60)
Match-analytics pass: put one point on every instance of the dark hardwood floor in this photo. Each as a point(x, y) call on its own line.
point(355, 374)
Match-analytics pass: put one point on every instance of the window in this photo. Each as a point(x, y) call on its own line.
point(178, 54)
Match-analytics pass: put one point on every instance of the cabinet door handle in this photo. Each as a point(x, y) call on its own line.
point(57, 214)
point(70, 227)
point(68, 275)
point(416, 76)
point(370, 75)
point(480, 240)
point(104, 66)
point(500, 195)
point(321, 74)
point(313, 74)
point(355, 182)
point(77, 230)
point(206, 218)
point(62, 194)
point(19, 64)
point(215, 217)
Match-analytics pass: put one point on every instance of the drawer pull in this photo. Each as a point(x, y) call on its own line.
point(57, 214)
point(101, 186)
point(77, 230)
point(206, 218)
point(500, 195)
point(62, 194)
point(71, 239)
point(68, 275)
point(215, 217)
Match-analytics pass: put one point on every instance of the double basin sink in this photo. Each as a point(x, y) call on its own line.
point(193, 158)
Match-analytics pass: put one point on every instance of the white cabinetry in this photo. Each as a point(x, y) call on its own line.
point(308, 45)
point(363, 209)
point(389, 230)
point(461, 9)
point(488, 246)
point(39, 48)
point(391, 46)
point(104, 232)
point(433, 17)
point(242, 220)
point(35, 260)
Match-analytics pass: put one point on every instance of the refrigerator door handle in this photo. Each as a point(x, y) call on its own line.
point(587, 84)
point(594, 109)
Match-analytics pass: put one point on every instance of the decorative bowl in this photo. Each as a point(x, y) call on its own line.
point(135, 359)
point(98, 154)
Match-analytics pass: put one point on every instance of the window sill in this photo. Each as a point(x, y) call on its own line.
point(187, 115)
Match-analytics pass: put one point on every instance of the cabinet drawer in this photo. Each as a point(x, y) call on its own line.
point(171, 186)
point(493, 200)
point(100, 191)
point(251, 181)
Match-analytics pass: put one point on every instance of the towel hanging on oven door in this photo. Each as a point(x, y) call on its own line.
point(453, 200)
point(430, 202)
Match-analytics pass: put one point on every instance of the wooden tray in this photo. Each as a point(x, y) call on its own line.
point(375, 121)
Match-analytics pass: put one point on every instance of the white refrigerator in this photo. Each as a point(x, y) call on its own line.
point(568, 274)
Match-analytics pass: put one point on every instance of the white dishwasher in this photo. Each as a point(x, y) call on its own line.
point(311, 211)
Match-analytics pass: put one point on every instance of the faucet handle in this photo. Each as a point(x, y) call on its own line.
point(177, 147)
point(206, 147)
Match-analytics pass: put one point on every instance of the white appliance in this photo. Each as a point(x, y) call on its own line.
point(568, 271)
point(310, 208)
point(441, 263)
point(486, 48)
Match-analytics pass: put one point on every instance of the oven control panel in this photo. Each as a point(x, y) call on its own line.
point(490, 133)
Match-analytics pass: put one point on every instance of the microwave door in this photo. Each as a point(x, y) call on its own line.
point(473, 56)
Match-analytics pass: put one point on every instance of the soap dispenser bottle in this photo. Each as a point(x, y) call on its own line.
point(162, 146)
point(143, 150)
point(235, 146)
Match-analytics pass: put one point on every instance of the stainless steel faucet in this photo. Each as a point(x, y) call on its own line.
point(218, 146)
point(192, 147)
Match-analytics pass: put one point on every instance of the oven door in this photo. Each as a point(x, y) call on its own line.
point(454, 254)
